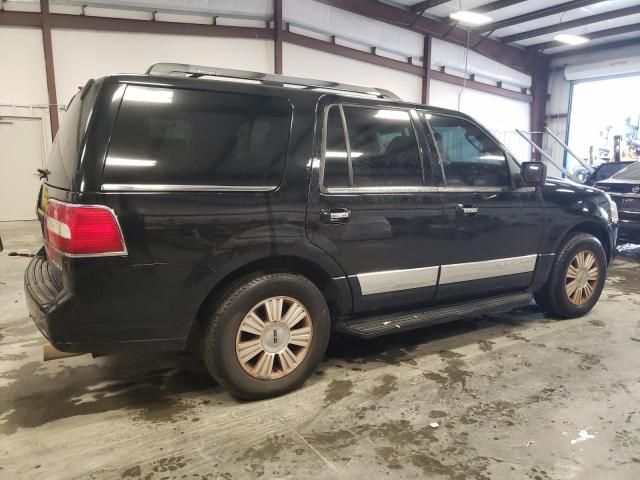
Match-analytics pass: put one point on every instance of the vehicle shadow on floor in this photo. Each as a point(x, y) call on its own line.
point(169, 387)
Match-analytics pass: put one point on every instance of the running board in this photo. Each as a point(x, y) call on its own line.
point(377, 325)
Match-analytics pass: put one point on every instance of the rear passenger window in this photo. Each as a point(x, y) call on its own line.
point(381, 151)
point(184, 137)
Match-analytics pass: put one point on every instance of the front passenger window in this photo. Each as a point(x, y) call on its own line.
point(470, 158)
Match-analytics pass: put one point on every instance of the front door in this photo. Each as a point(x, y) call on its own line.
point(373, 206)
point(494, 226)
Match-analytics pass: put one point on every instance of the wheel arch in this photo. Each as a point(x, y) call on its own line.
point(338, 300)
point(595, 229)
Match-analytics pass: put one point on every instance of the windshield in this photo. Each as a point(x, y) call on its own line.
point(632, 172)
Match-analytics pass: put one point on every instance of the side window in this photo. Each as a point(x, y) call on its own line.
point(381, 150)
point(187, 137)
point(470, 158)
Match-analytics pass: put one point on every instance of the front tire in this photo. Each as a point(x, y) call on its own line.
point(576, 279)
point(267, 335)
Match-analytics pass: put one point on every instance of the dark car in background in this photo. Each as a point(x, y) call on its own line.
point(624, 189)
point(248, 220)
point(606, 170)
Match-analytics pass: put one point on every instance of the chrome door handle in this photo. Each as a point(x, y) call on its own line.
point(335, 215)
point(467, 210)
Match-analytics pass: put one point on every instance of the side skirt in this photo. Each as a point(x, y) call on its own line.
point(377, 325)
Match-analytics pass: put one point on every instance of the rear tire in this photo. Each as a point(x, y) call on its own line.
point(576, 279)
point(267, 335)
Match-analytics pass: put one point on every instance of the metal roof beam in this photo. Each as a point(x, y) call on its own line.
point(534, 15)
point(497, 5)
point(609, 32)
point(506, 54)
point(631, 42)
point(426, 5)
point(600, 17)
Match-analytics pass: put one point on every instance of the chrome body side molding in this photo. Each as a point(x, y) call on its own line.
point(154, 187)
point(393, 280)
point(464, 272)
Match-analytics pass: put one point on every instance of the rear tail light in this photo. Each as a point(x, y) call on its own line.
point(82, 230)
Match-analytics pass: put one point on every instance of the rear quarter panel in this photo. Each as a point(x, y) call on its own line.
point(182, 244)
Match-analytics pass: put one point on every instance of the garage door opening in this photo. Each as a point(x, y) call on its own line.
point(601, 110)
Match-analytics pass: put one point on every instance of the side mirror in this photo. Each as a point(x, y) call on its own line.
point(534, 174)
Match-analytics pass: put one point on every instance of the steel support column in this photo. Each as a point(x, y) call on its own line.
point(277, 37)
point(426, 67)
point(539, 88)
point(48, 65)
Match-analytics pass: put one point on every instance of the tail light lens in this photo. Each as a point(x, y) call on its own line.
point(82, 230)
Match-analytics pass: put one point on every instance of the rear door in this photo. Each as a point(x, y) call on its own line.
point(494, 225)
point(374, 207)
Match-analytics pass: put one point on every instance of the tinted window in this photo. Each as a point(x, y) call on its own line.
point(469, 156)
point(605, 171)
point(632, 172)
point(382, 145)
point(384, 151)
point(184, 137)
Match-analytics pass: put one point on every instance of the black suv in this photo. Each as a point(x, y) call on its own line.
point(246, 218)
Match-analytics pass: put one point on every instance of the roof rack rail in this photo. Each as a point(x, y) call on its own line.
point(196, 71)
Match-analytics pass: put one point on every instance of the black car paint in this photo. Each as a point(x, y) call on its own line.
point(185, 247)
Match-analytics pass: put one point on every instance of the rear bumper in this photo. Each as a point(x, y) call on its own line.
point(105, 322)
point(46, 299)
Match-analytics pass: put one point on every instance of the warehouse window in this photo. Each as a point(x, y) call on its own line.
point(184, 137)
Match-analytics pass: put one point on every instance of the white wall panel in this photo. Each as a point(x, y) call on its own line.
point(499, 114)
point(493, 111)
point(351, 26)
point(450, 55)
point(81, 55)
point(305, 62)
point(23, 78)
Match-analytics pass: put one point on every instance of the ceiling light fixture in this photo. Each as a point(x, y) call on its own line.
point(470, 18)
point(570, 39)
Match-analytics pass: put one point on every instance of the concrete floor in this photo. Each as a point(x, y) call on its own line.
point(510, 396)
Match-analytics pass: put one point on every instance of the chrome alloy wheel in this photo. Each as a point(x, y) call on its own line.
point(582, 277)
point(273, 338)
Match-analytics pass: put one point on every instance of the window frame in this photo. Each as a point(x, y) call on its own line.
point(413, 118)
point(448, 188)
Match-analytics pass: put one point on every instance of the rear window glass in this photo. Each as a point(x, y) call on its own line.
point(184, 137)
point(632, 172)
point(63, 157)
point(605, 171)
